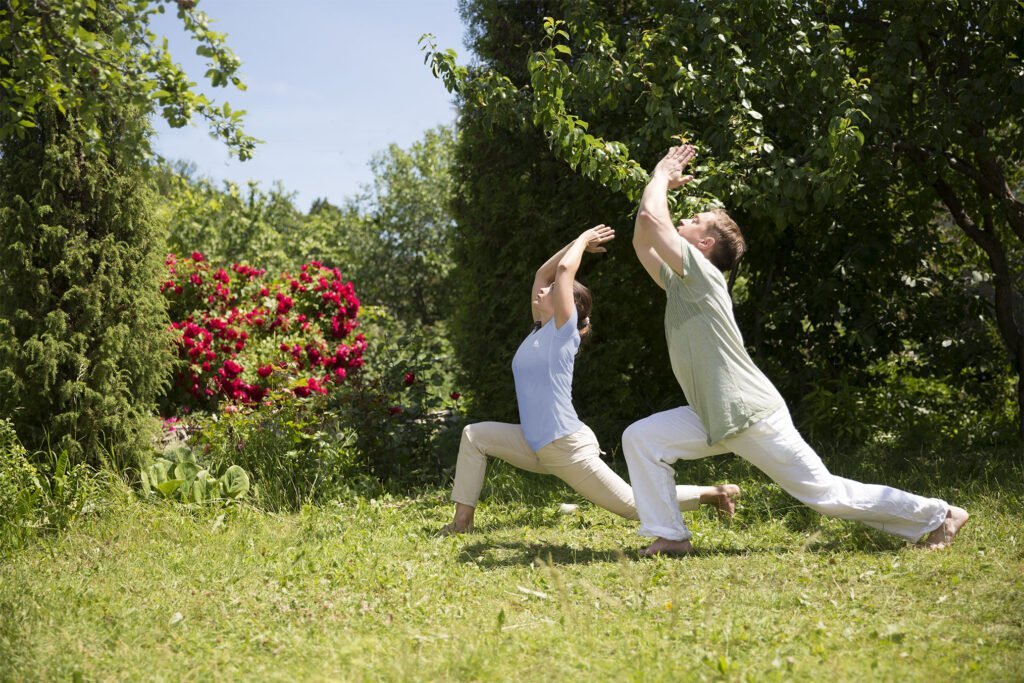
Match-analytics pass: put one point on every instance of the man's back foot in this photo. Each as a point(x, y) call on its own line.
point(943, 536)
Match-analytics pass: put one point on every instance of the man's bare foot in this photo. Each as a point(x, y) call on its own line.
point(722, 497)
point(663, 546)
point(943, 536)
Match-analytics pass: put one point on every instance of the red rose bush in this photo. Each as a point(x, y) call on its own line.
point(249, 340)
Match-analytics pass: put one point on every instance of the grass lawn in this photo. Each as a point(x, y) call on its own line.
point(363, 590)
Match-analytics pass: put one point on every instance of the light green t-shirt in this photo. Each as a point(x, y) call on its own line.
point(724, 387)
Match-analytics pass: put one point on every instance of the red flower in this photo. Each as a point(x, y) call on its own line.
point(409, 379)
point(394, 410)
point(197, 257)
point(265, 371)
point(455, 396)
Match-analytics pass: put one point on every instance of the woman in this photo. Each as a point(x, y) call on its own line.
point(551, 438)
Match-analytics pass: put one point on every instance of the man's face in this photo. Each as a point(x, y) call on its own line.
point(694, 229)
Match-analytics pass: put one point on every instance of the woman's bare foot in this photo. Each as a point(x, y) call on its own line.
point(943, 536)
point(463, 522)
point(722, 497)
point(452, 529)
point(663, 546)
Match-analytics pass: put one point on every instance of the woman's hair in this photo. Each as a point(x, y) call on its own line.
point(584, 303)
point(729, 243)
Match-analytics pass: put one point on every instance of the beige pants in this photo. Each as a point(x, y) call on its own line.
point(575, 459)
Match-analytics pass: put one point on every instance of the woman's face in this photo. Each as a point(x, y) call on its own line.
point(542, 300)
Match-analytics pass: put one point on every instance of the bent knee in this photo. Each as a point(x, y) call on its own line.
point(635, 437)
point(631, 439)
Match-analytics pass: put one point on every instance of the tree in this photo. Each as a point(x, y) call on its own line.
point(790, 120)
point(394, 238)
point(73, 56)
point(947, 101)
point(83, 346)
point(231, 223)
point(408, 217)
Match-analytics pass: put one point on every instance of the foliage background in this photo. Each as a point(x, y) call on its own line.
point(859, 297)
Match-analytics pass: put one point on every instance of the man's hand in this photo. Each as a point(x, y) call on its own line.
point(596, 236)
point(674, 163)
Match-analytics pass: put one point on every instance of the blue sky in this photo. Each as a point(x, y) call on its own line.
point(330, 83)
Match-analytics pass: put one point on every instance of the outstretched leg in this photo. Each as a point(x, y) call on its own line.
point(576, 460)
point(774, 446)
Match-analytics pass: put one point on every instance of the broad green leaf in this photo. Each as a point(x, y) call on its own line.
point(234, 483)
point(170, 486)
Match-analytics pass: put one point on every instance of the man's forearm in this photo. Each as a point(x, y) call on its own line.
point(654, 201)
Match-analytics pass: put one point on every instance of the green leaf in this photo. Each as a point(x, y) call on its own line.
point(200, 487)
point(185, 471)
point(169, 487)
point(234, 483)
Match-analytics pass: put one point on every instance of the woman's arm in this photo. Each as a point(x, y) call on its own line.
point(561, 292)
point(544, 277)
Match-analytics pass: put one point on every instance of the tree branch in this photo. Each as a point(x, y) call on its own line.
point(986, 237)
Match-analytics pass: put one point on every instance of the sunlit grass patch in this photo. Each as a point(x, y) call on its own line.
point(364, 589)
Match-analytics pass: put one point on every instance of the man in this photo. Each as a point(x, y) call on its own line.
point(733, 406)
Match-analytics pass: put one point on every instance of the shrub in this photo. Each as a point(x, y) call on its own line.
point(19, 488)
point(901, 406)
point(241, 337)
point(403, 407)
point(297, 451)
point(84, 350)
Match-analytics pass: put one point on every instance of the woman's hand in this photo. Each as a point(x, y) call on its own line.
point(596, 236)
point(674, 163)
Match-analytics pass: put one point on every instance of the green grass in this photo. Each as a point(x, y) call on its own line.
point(363, 590)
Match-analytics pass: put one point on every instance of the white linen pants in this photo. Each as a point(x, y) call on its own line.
point(575, 459)
point(775, 447)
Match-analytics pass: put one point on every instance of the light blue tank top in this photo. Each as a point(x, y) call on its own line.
point(542, 368)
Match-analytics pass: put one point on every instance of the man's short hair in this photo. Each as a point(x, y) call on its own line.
point(729, 243)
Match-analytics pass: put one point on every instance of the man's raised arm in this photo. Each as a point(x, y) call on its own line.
point(654, 236)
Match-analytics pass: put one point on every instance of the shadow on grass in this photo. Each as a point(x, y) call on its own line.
point(520, 553)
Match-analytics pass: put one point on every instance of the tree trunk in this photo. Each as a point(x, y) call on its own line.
point(1010, 330)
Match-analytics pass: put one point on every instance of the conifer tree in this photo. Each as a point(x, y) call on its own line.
point(83, 342)
point(84, 348)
